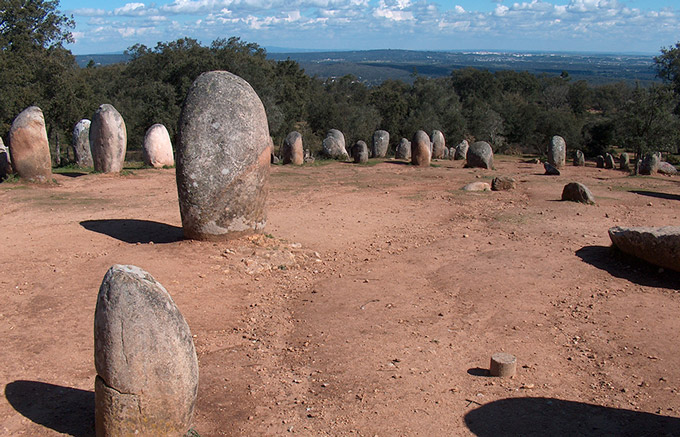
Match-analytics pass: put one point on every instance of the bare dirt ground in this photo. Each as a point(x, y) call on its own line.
point(371, 306)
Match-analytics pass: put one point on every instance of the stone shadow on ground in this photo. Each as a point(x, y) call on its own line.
point(65, 410)
point(625, 266)
point(72, 174)
point(656, 194)
point(557, 417)
point(135, 231)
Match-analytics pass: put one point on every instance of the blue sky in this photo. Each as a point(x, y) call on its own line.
point(546, 25)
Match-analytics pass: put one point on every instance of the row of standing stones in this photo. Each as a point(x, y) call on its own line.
point(147, 369)
point(100, 143)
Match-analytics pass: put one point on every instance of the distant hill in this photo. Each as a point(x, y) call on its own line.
point(375, 66)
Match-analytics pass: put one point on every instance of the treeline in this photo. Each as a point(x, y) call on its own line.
point(513, 111)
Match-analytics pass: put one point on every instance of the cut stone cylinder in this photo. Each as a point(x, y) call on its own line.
point(503, 365)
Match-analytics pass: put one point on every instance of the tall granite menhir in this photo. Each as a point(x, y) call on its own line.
point(81, 143)
point(223, 155)
point(381, 141)
point(29, 148)
point(557, 152)
point(147, 370)
point(108, 140)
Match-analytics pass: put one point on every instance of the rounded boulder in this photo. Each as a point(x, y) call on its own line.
point(223, 156)
point(480, 155)
point(403, 150)
point(333, 146)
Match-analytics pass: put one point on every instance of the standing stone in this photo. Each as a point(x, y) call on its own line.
point(360, 152)
point(650, 163)
point(503, 183)
point(480, 155)
point(576, 192)
point(309, 159)
point(147, 371)
point(599, 161)
point(29, 146)
point(624, 162)
point(5, 162)
point(438, 145)
point(657, 246)
point(334, 145)
point(447, 153)
point(551, 169)
point(292, 150)
point(223, 158)
point(579, 159)
point(157, 147)
point(461, 150)
point(381, 141)
point(420, 149)
point(403, 150)
point(108, 140)
point(609, 161)
point(557, 152)
point(81, 143)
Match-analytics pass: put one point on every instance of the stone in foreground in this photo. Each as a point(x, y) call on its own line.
point(381, 141)
point(420, 149)
point(81, 143)
point(360, 152)
point(503, 365)
point(550, 169)
point(223, 158)
point(503, 183)
point(480, 155)
point(333, 146)
point(577, 192)
point(157, 149)
point(147, 371)
point(557, 152)
point(29, 147)
point(292, 150)
point(108, 140)
point(438, 144)
point(403, 150)
point(658, 246)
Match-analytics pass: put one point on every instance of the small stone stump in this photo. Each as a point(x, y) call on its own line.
point(577, 192)
point(81, 143)
point(579, 159)
point(157, 149)
point(557, 152)
point(147, 370)
point(381, 141)
point(480, 155)
point(420, 149)
point(360, 152)
point(223, 159)
point(503, 365)
point(550, 169)
point(503, 183)
point(108, 140)
point(461, 151)
point(29, 147)
point(403, 150)
point(292, 150)
point(438, 144)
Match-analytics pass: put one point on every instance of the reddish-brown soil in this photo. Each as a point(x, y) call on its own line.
point(371, 306)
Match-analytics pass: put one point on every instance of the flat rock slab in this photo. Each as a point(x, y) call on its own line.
point(658, 246)
point(477, 186)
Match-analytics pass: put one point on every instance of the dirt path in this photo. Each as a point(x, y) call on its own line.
point(370, 307)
